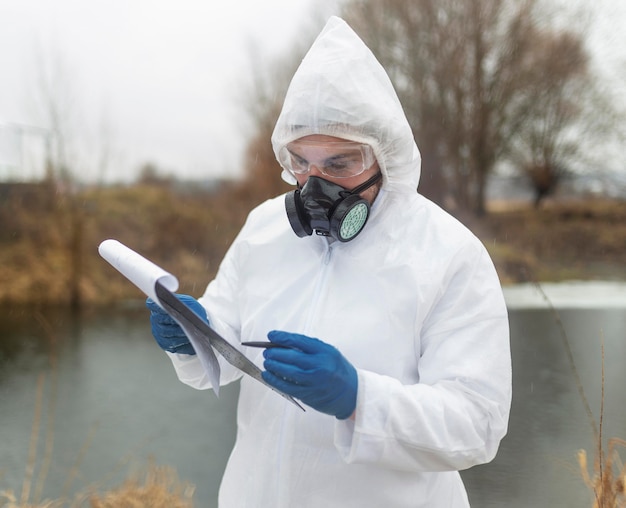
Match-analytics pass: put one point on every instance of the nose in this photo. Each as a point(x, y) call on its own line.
point(314, 170)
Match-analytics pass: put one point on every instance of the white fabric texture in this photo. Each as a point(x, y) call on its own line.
point(414, 303)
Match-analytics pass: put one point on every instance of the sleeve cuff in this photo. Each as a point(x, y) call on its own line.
point(189, 370)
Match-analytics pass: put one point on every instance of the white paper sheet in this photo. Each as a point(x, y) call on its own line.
point(145, 274)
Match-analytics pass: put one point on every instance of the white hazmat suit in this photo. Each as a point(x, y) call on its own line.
point(413, 302)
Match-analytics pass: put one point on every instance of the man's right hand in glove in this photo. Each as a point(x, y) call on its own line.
point(167, 332)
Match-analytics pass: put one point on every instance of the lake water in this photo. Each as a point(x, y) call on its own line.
point(110, 401)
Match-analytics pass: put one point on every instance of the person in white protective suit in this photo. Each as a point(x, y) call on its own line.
point(390, 313)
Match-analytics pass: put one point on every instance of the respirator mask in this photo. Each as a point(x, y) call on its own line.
point(320, 205)
point(328, 209)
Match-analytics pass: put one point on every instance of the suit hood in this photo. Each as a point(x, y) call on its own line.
point(341, 90)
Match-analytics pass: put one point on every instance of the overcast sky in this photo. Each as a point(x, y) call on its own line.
point(150, 80)
point(161, 81)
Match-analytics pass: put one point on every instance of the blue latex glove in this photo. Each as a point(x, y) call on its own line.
point(312, 371)
point(167, 332)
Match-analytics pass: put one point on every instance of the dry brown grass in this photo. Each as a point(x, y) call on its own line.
point(50, 244)
point(562, 240)
point(158, 487)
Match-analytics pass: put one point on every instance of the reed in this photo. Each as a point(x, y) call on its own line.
point(608, 475)
point(607, 478)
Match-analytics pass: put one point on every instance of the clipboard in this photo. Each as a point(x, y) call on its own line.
point(159, 285)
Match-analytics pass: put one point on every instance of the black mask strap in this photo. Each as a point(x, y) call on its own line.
point(367, 184)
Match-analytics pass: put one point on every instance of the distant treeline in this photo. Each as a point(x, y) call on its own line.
point(49, 237)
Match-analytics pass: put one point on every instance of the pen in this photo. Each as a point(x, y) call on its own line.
point(265, 344)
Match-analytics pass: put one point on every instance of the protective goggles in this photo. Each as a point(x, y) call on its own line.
point(336, 159)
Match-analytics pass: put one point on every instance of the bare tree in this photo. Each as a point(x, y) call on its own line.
point(263, 98)
point(473, 77)
point(56, 97)
point(567, 117)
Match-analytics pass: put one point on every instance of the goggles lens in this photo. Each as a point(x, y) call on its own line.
point(340, 159)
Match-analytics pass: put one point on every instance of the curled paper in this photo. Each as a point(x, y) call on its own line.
point(141, 272)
